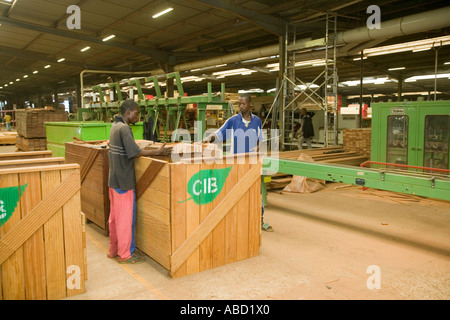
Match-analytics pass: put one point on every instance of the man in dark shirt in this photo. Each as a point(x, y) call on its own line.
point(306, 130)
point(122, 183)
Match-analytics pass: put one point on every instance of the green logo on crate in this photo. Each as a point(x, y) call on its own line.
point(9, 197)
point(206, 185)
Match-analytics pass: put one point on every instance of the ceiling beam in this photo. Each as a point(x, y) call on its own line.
point(155, 54)
point(268, 22)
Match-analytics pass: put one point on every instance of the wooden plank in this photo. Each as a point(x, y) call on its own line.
point(254, 219)
point(205, 248)
point(148, 176)
point(209, 223)
point(242, 224)
point(192, 222)
point(12, 270)
point(178, 212)
point(218, 233)
point(231, 219)
point(25, 155)
point(33, 248)
point(31, 162)
point(73, 235)
point(54, 242)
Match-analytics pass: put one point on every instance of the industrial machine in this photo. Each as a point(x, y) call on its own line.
point(409, 153)
point(174, 108)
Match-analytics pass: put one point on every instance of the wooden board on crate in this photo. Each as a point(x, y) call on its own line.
point(31, 144)
point(42, 252)
point(185, 226)
point(30, 122)
point(94, 168)
point(25, 155)
point(7, 138)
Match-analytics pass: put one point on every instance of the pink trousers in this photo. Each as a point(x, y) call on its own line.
point(121, 223)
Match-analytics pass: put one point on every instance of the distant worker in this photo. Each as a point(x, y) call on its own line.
point(8, 122)
point(306, 131)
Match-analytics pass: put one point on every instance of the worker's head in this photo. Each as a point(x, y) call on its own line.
point(130, 111)
point(244, 102)
point(303, 111)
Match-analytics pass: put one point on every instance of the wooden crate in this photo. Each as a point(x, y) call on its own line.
point(42, 246)
point(30, 122)
point(25, 155)
point(183, 234)
point(94, 168)
point(31, 144)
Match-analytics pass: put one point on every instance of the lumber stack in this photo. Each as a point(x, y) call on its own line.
point(42, 236)
point(358, 140)
point(337, 155)
point(31, 129)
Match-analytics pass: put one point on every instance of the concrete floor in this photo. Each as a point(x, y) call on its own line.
point(322, 247)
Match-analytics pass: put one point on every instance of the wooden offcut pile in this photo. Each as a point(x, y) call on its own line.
point(31, 129)
point(338, 155)
point(358, 140)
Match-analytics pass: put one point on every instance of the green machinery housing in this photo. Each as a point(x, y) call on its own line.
point(409, 153)
point(173, 107)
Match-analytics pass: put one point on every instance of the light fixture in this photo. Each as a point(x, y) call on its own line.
point(85, 49)
point(161, 13)
point(17, 80)
point(25, 76)
point(109, 37)
point(11, 82)
point(447, 62)
point(398, 68)
point(34, 72)
point(47, 66)
point(61, 60)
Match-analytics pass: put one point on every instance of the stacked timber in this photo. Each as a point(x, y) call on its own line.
point(42, 237)
point(358, 140)
point(31, 129)
point(337, 155)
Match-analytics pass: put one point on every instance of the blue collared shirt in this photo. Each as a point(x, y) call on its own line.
point(246, 138)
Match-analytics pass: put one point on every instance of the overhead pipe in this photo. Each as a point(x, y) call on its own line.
point(424, 21)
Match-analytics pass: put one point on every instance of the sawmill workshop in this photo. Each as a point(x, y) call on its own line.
point(211, 151)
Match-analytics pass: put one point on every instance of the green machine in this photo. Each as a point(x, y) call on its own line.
point(409, 153)
point(415, 133)
point(173, 107)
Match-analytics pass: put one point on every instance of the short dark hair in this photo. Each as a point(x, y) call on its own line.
point(246, 95)
point(128, 105)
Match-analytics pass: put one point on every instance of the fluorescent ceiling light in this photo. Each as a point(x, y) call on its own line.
point(359, 58)
point(85, 49)
point(428, 76)
point(17, 79)
point(11, 82)
point(398, 68)
point(34, 72)
point(47, 66)
point(408, 46)
point(447, 62)
point(161, 13)
point(109, 37)
point(25, 76)
point(61, 60)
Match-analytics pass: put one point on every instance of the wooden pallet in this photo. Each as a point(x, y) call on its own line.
point(30, 122)
point(42, 244)
point(31, 144)
point(8, 138)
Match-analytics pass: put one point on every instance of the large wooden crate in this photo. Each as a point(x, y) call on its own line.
point(94, 168)
point(179, 228)
point(42, 244)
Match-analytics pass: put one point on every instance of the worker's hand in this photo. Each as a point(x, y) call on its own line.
point(164, 151)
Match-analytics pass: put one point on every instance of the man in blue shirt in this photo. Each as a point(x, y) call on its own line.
point(246, 131)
